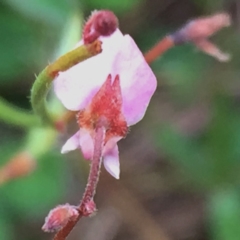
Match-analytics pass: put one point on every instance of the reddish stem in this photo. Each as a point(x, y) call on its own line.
point(92, 182)
point(95, 166)
point(161, 47)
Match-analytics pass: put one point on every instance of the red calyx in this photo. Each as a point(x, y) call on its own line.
point(107, 104)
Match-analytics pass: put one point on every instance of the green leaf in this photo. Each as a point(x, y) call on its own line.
point(222, 141)
point(25, 41)
point(5, 229)
point(116, 6)
point(17, 43)
point(183, 68)
point(224, 210)
point(50, 12)
point(186, 153)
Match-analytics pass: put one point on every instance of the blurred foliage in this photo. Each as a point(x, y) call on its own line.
point(116, 6)
point(193, 122)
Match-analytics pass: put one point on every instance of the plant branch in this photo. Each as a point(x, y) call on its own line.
point(157, 50)
point(91, 185)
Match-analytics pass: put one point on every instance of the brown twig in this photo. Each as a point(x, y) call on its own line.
point(91, 186)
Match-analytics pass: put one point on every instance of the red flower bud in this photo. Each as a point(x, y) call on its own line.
point(202, 28)
point(199, 30)
point(59, 216)
point(100, 23)
point(18, 166)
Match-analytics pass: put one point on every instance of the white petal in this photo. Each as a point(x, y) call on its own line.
point(86, 143)
point(111, 162)
point(212, 50)
point(76, 86)
point(137, 80)
point(71, 144)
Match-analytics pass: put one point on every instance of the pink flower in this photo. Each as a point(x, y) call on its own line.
point(119, 75)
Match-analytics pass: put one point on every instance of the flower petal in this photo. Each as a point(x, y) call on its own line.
point(111, 157)
point(111, 162)
point(137, 80)
point(76, 86)
point(71, 144)
point(86, 143)
point(212, 50)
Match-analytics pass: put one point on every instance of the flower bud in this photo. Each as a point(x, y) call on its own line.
point(100, 23)
point(18, 166)
point(199, 30)
point(59, 216)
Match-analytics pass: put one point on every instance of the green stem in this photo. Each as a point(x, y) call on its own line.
point(43, 82)
point(16, 116)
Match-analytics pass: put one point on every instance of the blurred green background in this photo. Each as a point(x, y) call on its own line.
point(179, 166)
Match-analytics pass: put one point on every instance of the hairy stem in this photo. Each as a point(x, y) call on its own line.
point(95, 167)
point(91, 185)
point(43, 81)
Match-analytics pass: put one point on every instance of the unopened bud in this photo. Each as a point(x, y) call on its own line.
point(100, 23)
point(198, 30)
point(20, 165)
point(59, 217)
point(201, 28)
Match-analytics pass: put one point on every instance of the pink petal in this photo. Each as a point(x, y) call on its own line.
point(76, 86)
point(111, 157)
point(111, 162)
point(59, 216)
point(137, 80)
point(212, 50)
point(82, 139)
point(86, 143)
point(71, 144)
